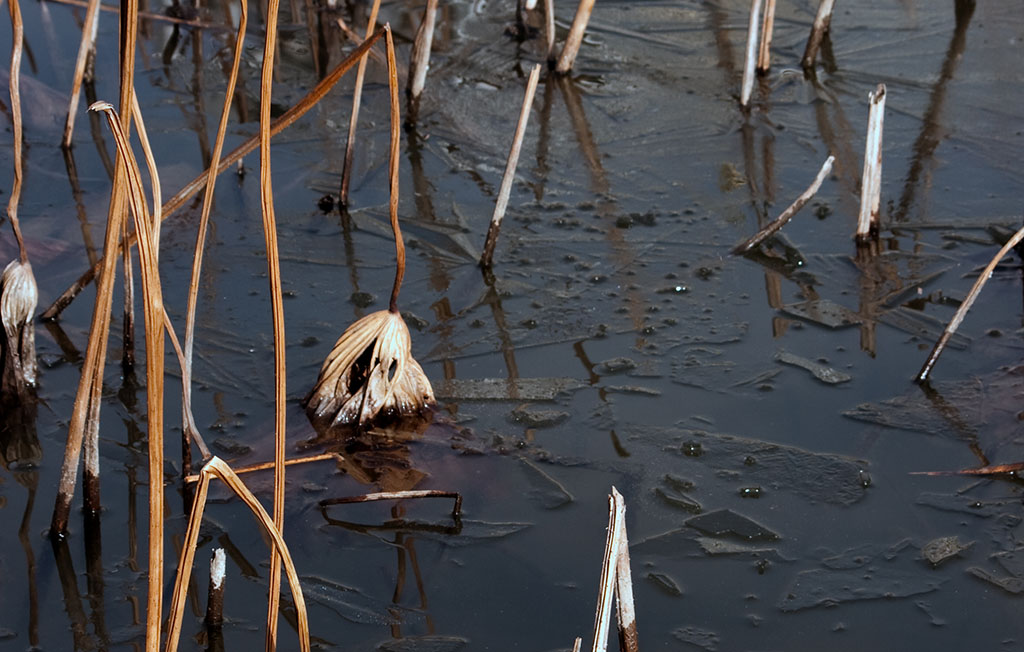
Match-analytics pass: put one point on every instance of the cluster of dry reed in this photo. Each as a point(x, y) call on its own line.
point(370, 374)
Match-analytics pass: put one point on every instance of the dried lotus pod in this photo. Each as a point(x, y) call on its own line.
point(370, 375)
point(18, 298)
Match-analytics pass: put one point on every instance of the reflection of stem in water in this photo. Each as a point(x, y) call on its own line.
point(508, 350)
point(314, 37)
point(932, 132)
point(622, 254)
point(199, 108)
point(444, 327)
point(96, 129)
point(750, 173)
point(950, 413)
point(72, 599)
point(839, 141)
point(71, 353)
point(543, 137)
point(76, 194)
point(128, 320)
point(423, 196)
point(30, 481)
point(94, 578)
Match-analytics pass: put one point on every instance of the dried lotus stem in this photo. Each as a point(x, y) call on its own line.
point(822, 22)
point(787, 214)
point(764, 57)
point(750, 60)
point(419, 59)
point(575, 37)
point(510, 170)
point(357, 94)
point(958, 317)
point(871, 179)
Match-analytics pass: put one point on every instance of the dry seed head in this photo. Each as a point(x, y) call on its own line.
point(370, 373)
point(18, 297)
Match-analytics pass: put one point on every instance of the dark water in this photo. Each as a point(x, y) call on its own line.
point(613, 278)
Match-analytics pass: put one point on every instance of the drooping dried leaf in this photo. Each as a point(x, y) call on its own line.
point(18, 298)
point(370, 374)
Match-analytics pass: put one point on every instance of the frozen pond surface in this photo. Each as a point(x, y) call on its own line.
point(756, 412)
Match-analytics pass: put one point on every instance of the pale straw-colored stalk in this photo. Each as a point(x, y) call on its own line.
point(871, 180)
point(510, 169)
point(357, 96)
point(961, 312)
point(822, 22)
point(625, 610)
point(549, 30)
point(86, 50)
point(419, 57)
point(787, 214)
point(154, 321)
point(764, 57)
point(613, 542)
point(750, 60)
point(217, 468)
point(86, 410)
point(575, 37)
point(277, 313)
point(191, 432)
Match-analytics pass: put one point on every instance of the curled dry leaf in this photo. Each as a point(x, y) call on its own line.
point(18, 298)
point(369, 375)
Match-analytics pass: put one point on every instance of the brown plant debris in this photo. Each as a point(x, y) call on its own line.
point(370, 374)
point(18, 298)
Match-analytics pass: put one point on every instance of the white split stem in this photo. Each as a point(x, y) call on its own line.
point(624, 609)
point(764, 57)
point(420, 57)
point(215, 595)
point(750, 61)
point(575, 37)
point(871, 180)
point(612, 546)
point(510, 169)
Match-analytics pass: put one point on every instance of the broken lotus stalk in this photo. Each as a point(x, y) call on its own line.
point(370, 373)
